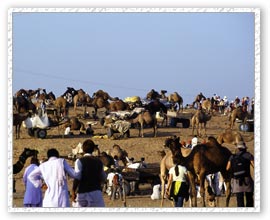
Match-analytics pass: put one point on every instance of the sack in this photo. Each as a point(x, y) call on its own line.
point(240, 166)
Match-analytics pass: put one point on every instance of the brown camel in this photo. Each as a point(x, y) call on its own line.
point(27, 93)
point(75, 124)
point(106, 159)
point(83, 98)
point(120, 153)
point(47, 98)
point(61, 105)
point(241, 113)
point(229, 137)
point(197, 100)
point(152, 95)
point(104, 95)
point(119, 105)
point(176, 98)
point(17, 122)
point(199, 120)
point(23, 105)
point(99, 102)
point(143, 119)
point(165, 164)
point(204, 159)
point(207, 105)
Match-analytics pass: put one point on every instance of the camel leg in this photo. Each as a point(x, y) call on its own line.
point(202, 188)
point(16, 131)
point(155, 131)
point(162, 190)
point(142, 132)
point(19, 130)
point(193, 192)
point(204, 126)
point(228, 191)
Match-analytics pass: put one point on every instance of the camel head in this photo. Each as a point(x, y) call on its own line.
point(170, 141)
point(212, 141)
point(27, 152)
point(174, 145)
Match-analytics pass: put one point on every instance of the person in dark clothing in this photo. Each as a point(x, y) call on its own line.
point(242, 182)
point(87, 192)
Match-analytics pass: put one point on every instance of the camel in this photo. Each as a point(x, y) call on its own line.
point(17, 122)
point(158, 110)
point(120, 153)
point(163, 94)
point(69, 94)
point(155, 106)
point(145, 118)
point(119, 105)
point(152, 95)
point(198, 99)
point(18, 166)
point(83, 98)
point(204, 159)
point(27, 93)
point(198, 120)
point(27, 152)
point(240, 113)
point(176, 98)
point(61, 105)
point(106, 159)
point(48, 98)
point(165, 164)
point(74, 124)
point(22, 104)
point(21, 92)
point(99, 102)
point(207, 105)
point(229, 137)
point(104, 95)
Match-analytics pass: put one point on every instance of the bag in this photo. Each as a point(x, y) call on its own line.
point(240, 166)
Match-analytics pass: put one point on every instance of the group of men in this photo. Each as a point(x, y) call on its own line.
point(89, 176)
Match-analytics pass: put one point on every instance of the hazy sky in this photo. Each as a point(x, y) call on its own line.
point(128, 54)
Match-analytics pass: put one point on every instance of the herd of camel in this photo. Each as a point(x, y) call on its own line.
point(203, 159)
point(26, 102)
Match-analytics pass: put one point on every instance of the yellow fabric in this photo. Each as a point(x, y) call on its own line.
point(177, 186)
point(132, 99)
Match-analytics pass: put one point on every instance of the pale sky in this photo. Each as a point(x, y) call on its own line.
point(128, 54)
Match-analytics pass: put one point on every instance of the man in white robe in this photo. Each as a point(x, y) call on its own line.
point(53, 172)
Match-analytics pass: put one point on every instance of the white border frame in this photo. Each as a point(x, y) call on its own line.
point(257, 149)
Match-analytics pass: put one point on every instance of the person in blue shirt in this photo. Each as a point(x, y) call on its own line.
point(32, 195)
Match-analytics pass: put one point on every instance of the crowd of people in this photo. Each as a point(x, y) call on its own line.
point(51, 175)
point(89, 176)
